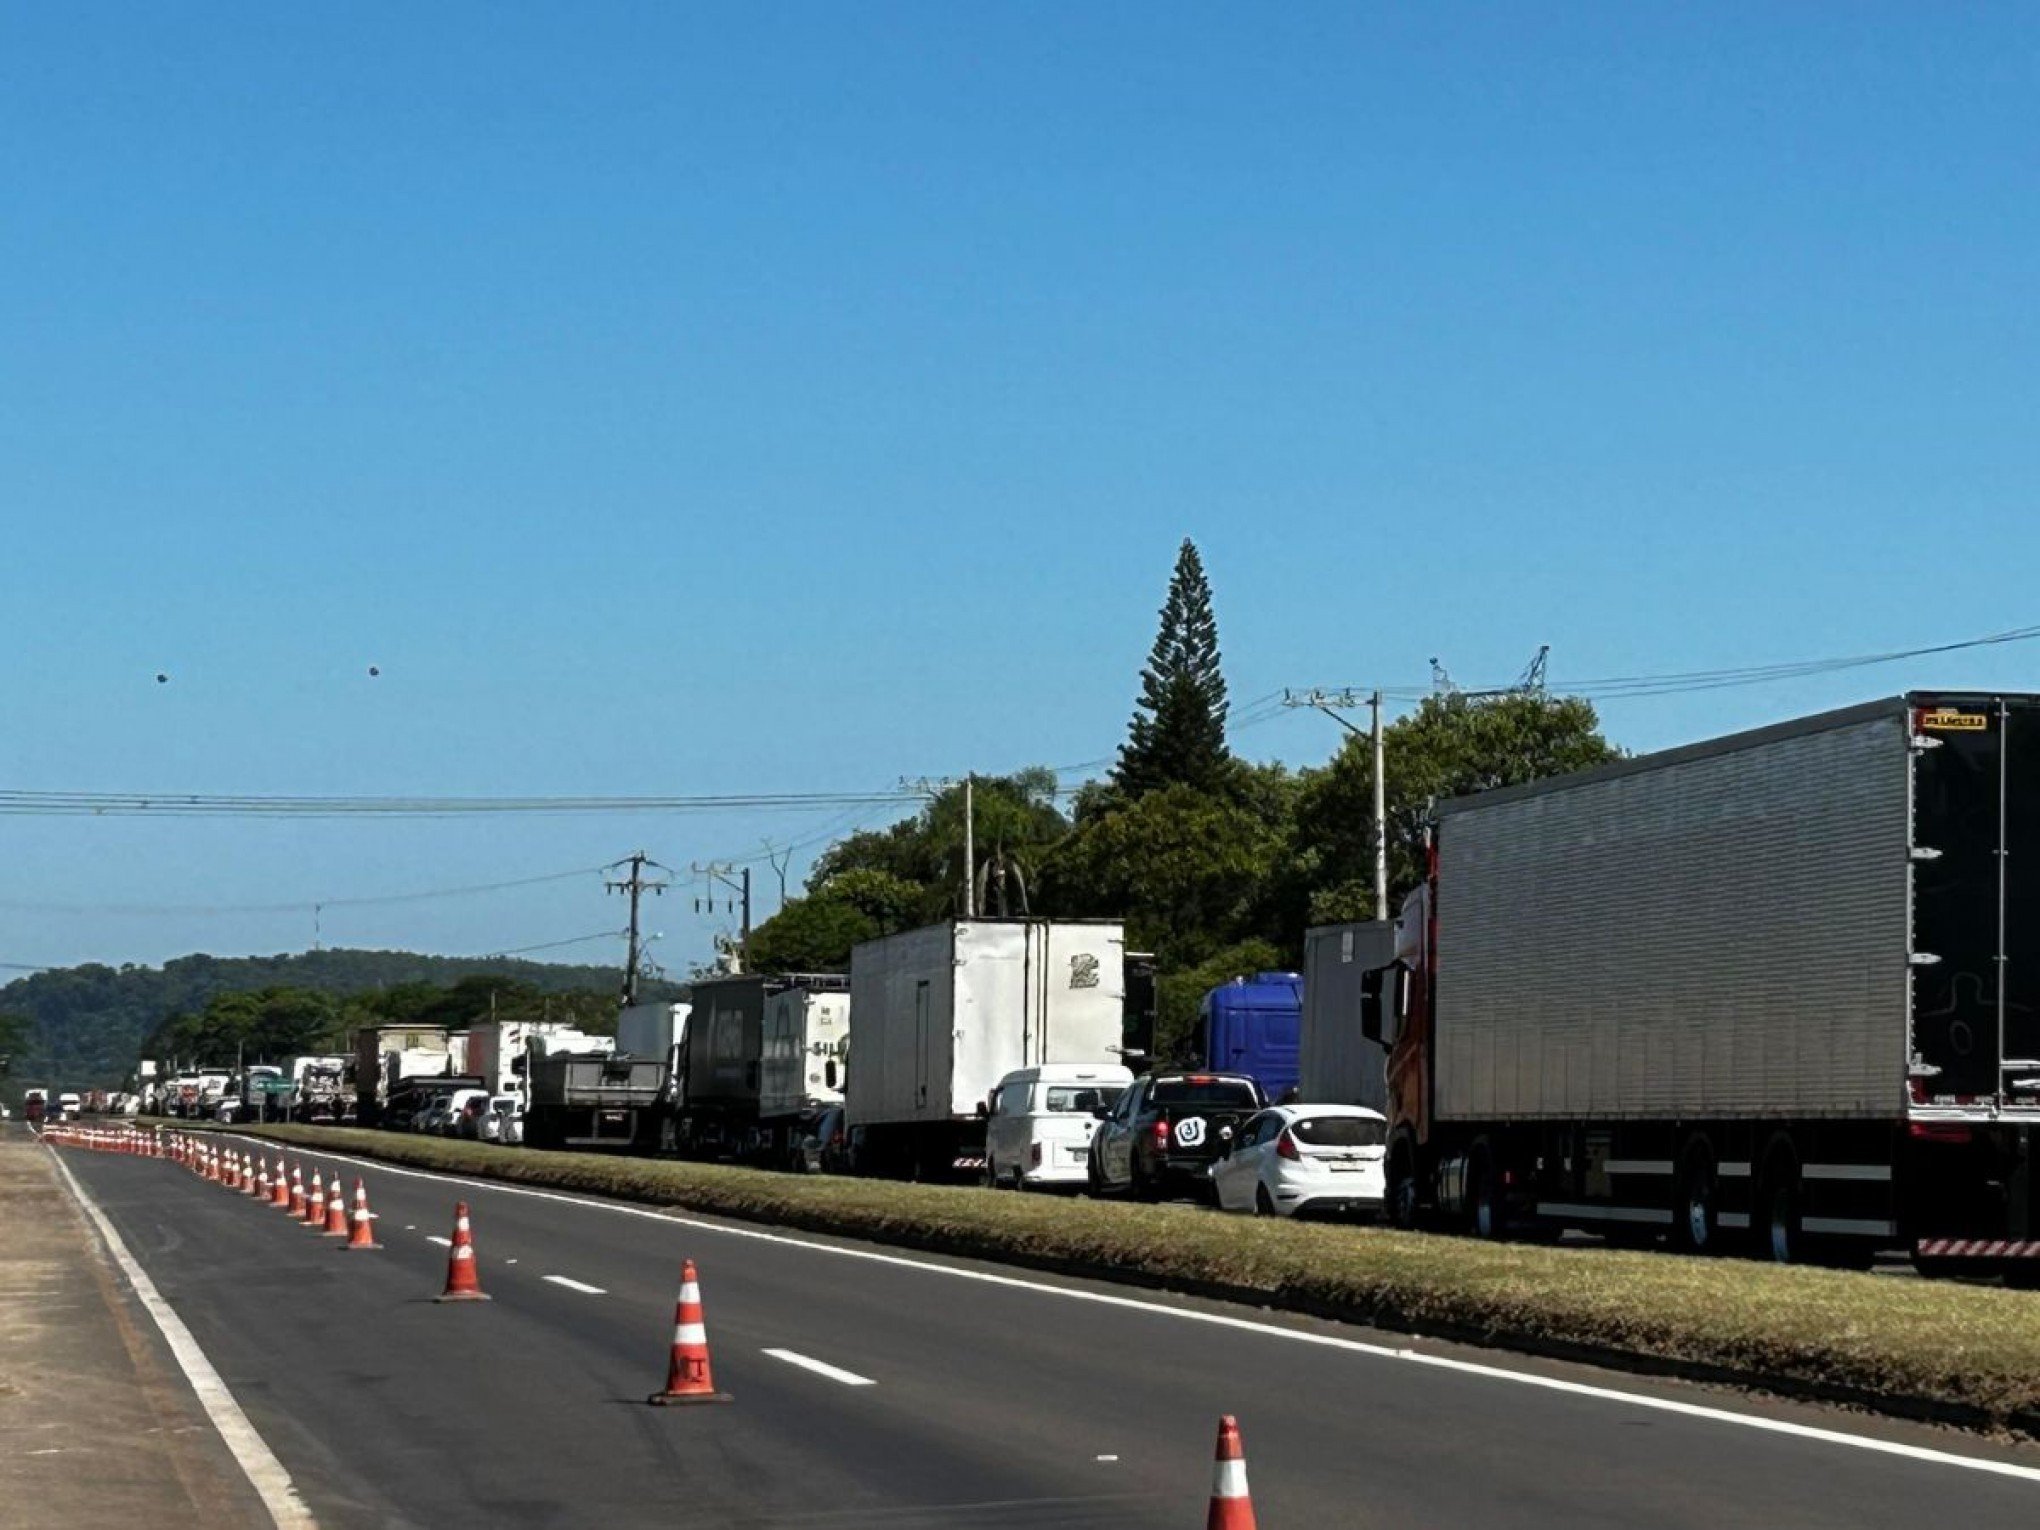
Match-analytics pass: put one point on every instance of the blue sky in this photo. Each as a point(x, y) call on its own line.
point(697, 398)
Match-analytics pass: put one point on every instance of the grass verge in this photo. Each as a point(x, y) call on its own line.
point(1962, 1354)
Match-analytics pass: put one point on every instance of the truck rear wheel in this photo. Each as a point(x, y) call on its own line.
point(1402, 1187)
point(1695, 1210)
point(1487, 1213)
point(1780, 1238)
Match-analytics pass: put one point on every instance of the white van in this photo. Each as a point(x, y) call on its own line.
point(1039, 1129)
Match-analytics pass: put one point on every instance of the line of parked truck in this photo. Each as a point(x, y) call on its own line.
point(1780, 991)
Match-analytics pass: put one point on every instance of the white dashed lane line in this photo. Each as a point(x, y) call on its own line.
point(575, 1285)
point(442, 1242)
point(834, 1373)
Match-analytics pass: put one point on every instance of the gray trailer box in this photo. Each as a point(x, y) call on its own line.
point(806, 1039)
point(1829, 918)
point(725, 1041)
point(943, 1013)
point(1336, 1064)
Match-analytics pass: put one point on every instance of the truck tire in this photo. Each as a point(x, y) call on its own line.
point(1779, 1237)
point(1487, 1212)
point(1696, 1226)
point(1400, 1209)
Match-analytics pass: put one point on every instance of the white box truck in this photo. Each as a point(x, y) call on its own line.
point(943, 1013)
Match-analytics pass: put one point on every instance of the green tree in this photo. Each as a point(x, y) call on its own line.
point(811, 934)
point(1450, 746)
point(1177, 735)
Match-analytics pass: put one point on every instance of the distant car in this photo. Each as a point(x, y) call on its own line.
point(1039, 1129)
point(1295, 1160)
point(503, 1121)
point(465, 1111)
point(1166, 1131)
point(433, 1119)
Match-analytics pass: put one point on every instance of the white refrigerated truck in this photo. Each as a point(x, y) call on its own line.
point(943, 1013)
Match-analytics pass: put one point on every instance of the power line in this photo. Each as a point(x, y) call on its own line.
point(554, 945)
point(214, 805)
point(300, 906)
point(1683, 682)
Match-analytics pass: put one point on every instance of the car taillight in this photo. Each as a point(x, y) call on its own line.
point(1161, 1136)
point(1285, 1147)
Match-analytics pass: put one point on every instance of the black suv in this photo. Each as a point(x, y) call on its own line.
point(1167, 1130)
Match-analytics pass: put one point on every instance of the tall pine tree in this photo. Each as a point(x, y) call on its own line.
point(1178, 728)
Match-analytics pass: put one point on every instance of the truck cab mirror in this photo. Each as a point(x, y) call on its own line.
point(1370, 1004)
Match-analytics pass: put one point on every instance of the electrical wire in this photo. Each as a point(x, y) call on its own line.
point(554, 945)
point(301, 905)
point(214, 805)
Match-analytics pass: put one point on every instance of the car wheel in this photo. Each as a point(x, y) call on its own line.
point(1264, 1203)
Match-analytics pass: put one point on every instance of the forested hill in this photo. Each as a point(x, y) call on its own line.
point(84, 1026)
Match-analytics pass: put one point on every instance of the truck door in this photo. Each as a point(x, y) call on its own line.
point(1960, 794)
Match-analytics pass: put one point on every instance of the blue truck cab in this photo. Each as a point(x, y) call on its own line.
point(1253, 1025)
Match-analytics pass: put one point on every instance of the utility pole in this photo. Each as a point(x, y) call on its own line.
point(738, 880)
point(636, 886)
point(1331, 703)
point(1380, 815)
point(970, 845)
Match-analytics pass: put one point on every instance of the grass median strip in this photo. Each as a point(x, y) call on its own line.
point(1966, 1353)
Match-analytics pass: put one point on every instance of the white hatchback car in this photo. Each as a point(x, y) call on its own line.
point(1039, 1131)
point(1320, 1159)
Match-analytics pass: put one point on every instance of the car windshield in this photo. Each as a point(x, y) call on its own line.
point(1223, 1093)
point(1081, 1097)
point(1339, 1131)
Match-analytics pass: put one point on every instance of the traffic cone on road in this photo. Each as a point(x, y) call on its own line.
point(687, 1373)
point(297, 1190)
point(258, 1182)
point(336, 1212)
point(315, 1203)
point(1232, 1508)
point(279, 1189)
point(364, 1234)
point(461, 1284)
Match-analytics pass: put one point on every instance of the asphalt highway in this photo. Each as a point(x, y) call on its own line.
point(874, 1388)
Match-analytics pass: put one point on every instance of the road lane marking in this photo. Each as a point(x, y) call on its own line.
point(442, 1242)
point(848, 1378)
point(573, 1285)
point(265, 1473)
point(1485, 1371)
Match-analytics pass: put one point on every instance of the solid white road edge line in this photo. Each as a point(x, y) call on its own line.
point(1244, 1325)
point(575, 1285)
point(265, 1473)
point(848, 1378)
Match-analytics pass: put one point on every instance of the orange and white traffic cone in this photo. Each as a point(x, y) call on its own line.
point(364, 1234)
point(258, 1182)
point(687, 1373)
point(297, 1190)
point(1232, 1507)
point(279, 1189)
point(461, 1282)
point(315, 1204)
point(336, 1212)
